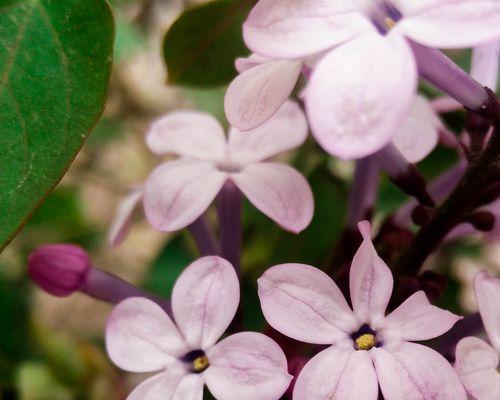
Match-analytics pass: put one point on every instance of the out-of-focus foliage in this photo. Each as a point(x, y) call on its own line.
point(55, 63)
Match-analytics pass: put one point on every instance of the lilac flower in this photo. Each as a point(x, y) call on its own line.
point(368, 348)
point(179, 191)
point(476, 360)
point(360, 92)
point(140, 337)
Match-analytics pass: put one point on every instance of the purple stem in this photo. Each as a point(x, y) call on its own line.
point(203, 236)
point(438, 69)
point(229, 208)
point(363, 191)
point(106, 287)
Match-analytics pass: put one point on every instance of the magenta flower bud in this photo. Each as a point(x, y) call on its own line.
point(60, 269)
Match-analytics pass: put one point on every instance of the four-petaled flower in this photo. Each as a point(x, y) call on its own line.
point(140, 337)
point(362, 87)
point(476, 361)
point(367, 347)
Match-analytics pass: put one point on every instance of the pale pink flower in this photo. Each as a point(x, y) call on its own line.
point(141, 337)
point(477, 361)
point(367, 349)
point(179, 191)
point(360, 92)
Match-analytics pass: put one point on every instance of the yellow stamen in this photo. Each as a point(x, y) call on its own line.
point(200, 364)
point(365, 342)
point(389, 22)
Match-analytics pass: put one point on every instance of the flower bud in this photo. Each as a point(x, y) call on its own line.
point(60, 269)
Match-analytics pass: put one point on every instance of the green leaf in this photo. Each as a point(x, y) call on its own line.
point(201, 46)
point(55, 63)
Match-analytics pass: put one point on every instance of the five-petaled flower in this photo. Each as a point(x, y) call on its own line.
point(476, 361)
point(368, 347)
point(362, 87)
point(140, 337)
point(179, 191)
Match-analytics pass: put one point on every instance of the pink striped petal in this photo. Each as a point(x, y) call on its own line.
point(187, 133)
point(370, 280)
point(297, 28)
point(170, 386)
point(337, 373)
point(280, 192)
point(123, 218)
point(285, 130)
point(305, 304)
point(204, 300)
point(488, 294)
point(417, 319)
point(415, 372)
point(485, 63)
point(450, 23)
point(140, 337)
point(476, 365)
point(247, 366)
point(419, 134)
point(178, 192)
point(255, 95)
point(360, 94)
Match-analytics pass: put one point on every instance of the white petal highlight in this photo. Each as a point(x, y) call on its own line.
point(204, 300)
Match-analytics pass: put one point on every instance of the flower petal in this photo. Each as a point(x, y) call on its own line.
point(417, 319)
point(121, 223)
point(178, 192)
point(305, 304)
point(280, 192)
point(187, 133)
point(419, 134)
point(415, 372)
point(370, 280)
point(285, 130)
point(485, 63)
point(487, 294)
point(337, 373)
point(255, 95)
point(247, 366)
point(476, 365)
point(170, 386)
point(204, 300)
point(243, 64)
point(450, 23)
point(360, 94)
point(140, 337)
point(296, 28)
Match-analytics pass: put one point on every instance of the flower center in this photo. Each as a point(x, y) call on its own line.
point(197, 361)
point(229, 166)
point(365, 338)
point(385, 16)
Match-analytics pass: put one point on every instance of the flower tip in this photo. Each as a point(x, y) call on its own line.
point(365, 229)
point(59, 269)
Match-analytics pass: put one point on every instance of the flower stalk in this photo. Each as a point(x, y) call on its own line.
point(203, 237)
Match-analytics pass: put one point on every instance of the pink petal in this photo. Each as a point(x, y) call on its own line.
point(419, 134)
point(360, 94)
point(487, 295)
point(140, 337)
point(370, 280)
point(204, 300)
point(305, 304)
point(243, 64)
point(337, 373)
point(415, 372)
point(255, 95)
point(485, 63)
point(123, 218)
point(284, 131)
point(178, 192)
point(450, 23)
point(170, 386)
point(280, 192)
point(247, 366)
point(297, 28)
point(476, 365)
point(187, 133)
point(417, 319)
